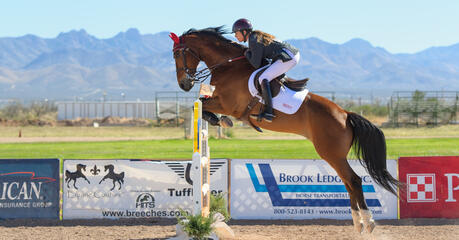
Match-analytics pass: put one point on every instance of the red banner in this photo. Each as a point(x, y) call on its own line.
point(432, 187)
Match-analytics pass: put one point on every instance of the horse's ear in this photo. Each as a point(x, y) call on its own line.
point(174, 38)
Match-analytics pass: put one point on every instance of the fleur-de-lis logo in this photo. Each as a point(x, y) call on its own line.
point(95, 170)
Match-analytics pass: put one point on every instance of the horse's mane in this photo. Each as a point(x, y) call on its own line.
point(216, 32)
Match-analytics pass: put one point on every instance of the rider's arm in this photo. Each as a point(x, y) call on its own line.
point(255, 52)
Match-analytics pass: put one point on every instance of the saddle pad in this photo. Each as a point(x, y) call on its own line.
point(287, 101)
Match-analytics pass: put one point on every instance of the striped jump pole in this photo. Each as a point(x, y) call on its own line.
point(200, 163)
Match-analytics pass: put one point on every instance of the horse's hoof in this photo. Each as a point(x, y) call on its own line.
point(370, 227)
point(225, 122)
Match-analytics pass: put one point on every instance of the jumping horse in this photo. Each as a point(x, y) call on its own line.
point(332, 130)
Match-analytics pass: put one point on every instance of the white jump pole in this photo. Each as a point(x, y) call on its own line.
point(201, 163)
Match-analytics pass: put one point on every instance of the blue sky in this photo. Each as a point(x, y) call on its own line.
point(399, 26)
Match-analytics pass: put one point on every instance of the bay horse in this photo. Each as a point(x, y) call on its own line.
point(332, 130)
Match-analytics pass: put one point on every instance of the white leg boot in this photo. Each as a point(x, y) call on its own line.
point(358, 223)
point(368, 222)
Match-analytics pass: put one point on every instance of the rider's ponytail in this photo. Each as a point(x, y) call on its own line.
point(263, 37)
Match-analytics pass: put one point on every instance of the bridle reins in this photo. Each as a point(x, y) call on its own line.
point(203, 74)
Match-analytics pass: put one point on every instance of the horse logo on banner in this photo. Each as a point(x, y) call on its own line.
point(69, 176)
point(116, 177)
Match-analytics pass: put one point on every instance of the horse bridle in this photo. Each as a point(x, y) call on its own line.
point(201, 75)
point(193, 75)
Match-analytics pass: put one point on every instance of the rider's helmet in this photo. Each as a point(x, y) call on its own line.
point(242, 24)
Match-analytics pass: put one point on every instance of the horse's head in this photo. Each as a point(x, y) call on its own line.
point(186, 62)
point(81, 166)
point(108, 167)
point(207, 45)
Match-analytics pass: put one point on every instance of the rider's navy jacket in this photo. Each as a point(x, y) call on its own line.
point(257, 51)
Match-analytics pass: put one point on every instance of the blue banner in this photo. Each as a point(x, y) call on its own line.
point(29, 188)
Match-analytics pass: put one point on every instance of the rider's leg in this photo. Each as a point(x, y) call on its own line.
point(279, 67)
point(268, 99)
point(267, 113)
point(276, 69)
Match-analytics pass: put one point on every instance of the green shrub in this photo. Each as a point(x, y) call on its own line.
point(196, 226)
point(218, 204)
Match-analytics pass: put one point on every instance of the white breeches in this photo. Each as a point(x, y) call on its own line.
point(279, 67)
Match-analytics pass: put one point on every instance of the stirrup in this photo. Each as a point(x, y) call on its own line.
point(268, 117)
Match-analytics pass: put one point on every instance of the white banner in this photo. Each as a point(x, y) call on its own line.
point(301, 189)
point(133, 188)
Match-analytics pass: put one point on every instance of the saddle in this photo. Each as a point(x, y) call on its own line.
point(280, 81)
point(275, 86)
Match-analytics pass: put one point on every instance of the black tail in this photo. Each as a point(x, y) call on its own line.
point(369, 146)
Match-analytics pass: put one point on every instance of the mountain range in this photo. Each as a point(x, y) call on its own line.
point(76, 64)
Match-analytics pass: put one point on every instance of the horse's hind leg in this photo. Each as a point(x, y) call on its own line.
point(353, 184)
point(363, 212)
point(335, 152)
point(361, 216)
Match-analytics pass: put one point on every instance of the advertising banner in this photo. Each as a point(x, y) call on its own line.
point(432, 187)
point(301, 189)
point(29, 188)
point(133, 188)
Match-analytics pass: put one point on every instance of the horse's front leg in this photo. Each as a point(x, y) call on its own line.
point(86, 179)
point(210, 106)
point(102, 179)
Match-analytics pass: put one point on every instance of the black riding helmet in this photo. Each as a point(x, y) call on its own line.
point(243, 25)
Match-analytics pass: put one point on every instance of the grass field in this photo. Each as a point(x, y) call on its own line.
point(221, 148)
point(169, 143)
point(179, 133)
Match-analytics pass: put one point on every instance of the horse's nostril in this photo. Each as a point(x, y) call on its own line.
point(181, 86)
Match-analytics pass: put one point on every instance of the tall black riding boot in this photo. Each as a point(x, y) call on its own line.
point(267, 113)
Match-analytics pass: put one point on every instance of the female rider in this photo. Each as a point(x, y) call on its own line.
point(263, 46)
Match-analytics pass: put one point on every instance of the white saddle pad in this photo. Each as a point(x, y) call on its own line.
point(287, 101)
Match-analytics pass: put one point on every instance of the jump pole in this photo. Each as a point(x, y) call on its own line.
point(200, 163)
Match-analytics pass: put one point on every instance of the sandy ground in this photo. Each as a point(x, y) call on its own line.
point(137, 229)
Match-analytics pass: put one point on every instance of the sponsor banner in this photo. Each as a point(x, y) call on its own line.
point(301, 189)
point(133, 188)
point(432, 187)
point(29, 188)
